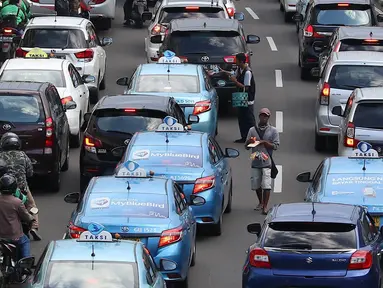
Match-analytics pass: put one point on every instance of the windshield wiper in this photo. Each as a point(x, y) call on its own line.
point(304, 246)
point(120, 132)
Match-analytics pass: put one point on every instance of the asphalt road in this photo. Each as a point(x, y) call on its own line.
point(220, 259)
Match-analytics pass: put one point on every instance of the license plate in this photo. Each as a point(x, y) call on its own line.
point(211, 67)
point(377, 221)
point(6, 39)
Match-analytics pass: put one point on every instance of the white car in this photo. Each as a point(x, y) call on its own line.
point(72, 38)
point(168, 10)
point(289, 8)
point(101, 10)
point(61, 73)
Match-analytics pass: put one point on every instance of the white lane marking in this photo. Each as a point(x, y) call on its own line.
point(252, 13)
point(64, 235)
point(278, 180)
point(278, 78)
point(279, 121)
point(273, 47)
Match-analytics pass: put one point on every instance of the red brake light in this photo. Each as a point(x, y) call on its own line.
point(49, 133)
point(309, 32)
point(247, 58)
point(203, 184)
point(158, 29)
point(360, 260)
point(349, 138)
point(90, 141)
point(183, 59)
point(230, 11)
point(66, 99)
point(130, 110)
point(229, 59)
point(87, 55)
point(259, 258)
point(194, 8)
point(170, 236)
point(337, 47)
point(20, 53)
point(343, 5)
point(201, 106)
point(75, 231)
point(371, 41)
point(98, 1)
point(7, 30)
point(325, 94)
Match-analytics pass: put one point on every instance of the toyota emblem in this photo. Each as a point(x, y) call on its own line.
point(379, 149)
point(309, 260)
point(126, 142)
point(205, 59)
point(7, 127)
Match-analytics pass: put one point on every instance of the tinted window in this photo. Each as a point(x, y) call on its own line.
point(169, 84)
point(171, 156)
point(20, 109)
point(66, 274)
point(52, 76)
point(369, 115)
point(120, 121)
point(353, 185)
point(54, 38)
point(315, 235)
point(140, 204)
point(211, 42)
point(353, 15)
point(349, 77)
point(169, 14)
point(361, 45)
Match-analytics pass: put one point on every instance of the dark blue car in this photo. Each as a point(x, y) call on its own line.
point(314, 245)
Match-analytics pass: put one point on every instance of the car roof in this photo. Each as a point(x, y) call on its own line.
point(323, 2)
point(190, 138)
point(175, 69)
point(58, 22)
point(323, 212)
point(20, 86)
point(371, 93)
point(34, 64)
point(346, 165)
point(360, 32)
point(208, 24)
point(72, 250)
point(355, 57)
point(112, 184)
point(135, 102)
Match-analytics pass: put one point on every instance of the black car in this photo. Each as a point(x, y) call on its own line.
point(112, 123)
point(211, 42)
point(321, 18)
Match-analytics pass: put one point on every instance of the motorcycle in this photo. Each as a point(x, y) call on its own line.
point(8, 32)
point(84, 10)
point(140, 13)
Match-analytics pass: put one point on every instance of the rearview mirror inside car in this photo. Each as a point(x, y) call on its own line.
point(123, 81)
point(253, 39)
point(239, 16)
point(298, 17)
point(157, 39)
point(72, 198)
point(193, 119)
point(146, 16)
point(304, 177)
point(254, 228)
point(315, 72)
point(337, 110)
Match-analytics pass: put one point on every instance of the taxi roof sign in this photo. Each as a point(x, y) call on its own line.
point(170, 124)
point(37, 53)
point(95, 233)
point(169, 58)
point(364, 150)
point(131, 169)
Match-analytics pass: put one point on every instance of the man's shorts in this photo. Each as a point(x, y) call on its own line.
point(261, 178)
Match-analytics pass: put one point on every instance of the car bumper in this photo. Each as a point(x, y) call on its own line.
point(323, 127)
point(104, 10)
point(43, 164)
point(151, 50)
point(91, 166)
point(225, 93)
point(310, 59)
point(210, 212)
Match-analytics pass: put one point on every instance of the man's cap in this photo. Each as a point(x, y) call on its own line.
point(265, 111)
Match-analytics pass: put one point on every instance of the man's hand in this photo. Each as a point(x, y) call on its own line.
point(233, 78)
point(251, 140)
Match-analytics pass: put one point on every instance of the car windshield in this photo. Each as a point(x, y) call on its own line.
point(170, 13)
point(350, 15)
point(349, 77)
point(168, 84)
point(81, 274)
point(369, 115)
point(211, 42)
point(52, 76)
point(54, 38)
point(315, 235)
point(361, 45)
point(20, 109)
point(353, 185)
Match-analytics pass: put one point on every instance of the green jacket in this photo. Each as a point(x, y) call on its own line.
point(20, 195)
point(13, 10)
point(24, 5)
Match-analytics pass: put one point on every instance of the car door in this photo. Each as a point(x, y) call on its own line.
point(371, 236)
point(315, 187)
point(77, 94)
point(81, 89)
point(220, 174)
point(190, 215)
point(213, 96)
point(99, 52)
point(226, 169)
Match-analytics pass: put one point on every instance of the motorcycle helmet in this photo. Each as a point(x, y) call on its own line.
point(8, 184)
point(10, 141)
point(3, 167)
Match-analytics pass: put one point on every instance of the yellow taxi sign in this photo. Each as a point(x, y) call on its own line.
point(37, 53)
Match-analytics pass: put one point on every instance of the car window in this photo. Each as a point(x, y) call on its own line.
point(78, 76)
point(56, 100)
point(361, 45)
point(317, 177)
point(218, 149)
point(168, 14)
point(92, 36)
point(314, 234)
point(56, 77)
point(180, 115)
point(21, 109)
point(167, 83)
point(54, 38)
point(348, 107)
point(349, 77)
point(369, 115)
point(73, 77)
point(179, 199)
point(207, 82)
point(213, 152)
point(351, 15)
point(149, 268)
point(38, 272)
point(368, 229)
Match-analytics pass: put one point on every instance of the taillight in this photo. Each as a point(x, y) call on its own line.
point(229, 59)
point(203, 184)
point(349, 138)
point(230, 11)
point(66, 99)
point(325, 94)
point(247, 58)
point(360, 260)
point(158, 29)
point(310, 32)
point(7, 31)
point(35, 1)
point(170, 236)
point(183, 59)
point(201, 107)
point(337, 47)
point(49, 133)
point(75, 231)
point(259, 258)
point(98, 1)
point(91, 143)
point(86, 55)
point(20, 53)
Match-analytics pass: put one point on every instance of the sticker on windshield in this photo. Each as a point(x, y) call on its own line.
point(369, 192)
point(141, 154)
point(100, 203)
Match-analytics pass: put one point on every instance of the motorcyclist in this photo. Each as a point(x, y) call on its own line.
point(20, 166)
point(128, 7)
point(17, 194)
point(13, 8)
point(12, 214)
point(24, 5)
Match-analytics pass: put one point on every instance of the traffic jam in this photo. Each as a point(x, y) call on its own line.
point(120, 120)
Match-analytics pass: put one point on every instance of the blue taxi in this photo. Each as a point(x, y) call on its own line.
point(354, 180)
point(187, 83)
point(195, 161)
point(142, 208)
point(96, 260)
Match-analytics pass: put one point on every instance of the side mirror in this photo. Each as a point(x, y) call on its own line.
point(239, 16)
point(156, 39)
point(193, 119)
point(146, 16)
point(254, 228)
point(70, 105)
point(304, 177)
point(196, 200)
point(87, 116)
point(16, 40)
point(231, 153)
point(88, 79)
point(252, 39)
point(298, 17)
point(315, 72)
point(379, 17)
point(72, 198)
point(106, 41)
point(26, 263)
point(123, 81)
point(337, 110)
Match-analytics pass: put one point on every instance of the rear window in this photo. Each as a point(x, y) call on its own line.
point(20, 109)
point(313, 235)
point(54, 38)
point(141, 205)
point(369, 115)
point(350, 15)
point(211, 42)
point(168, 84)
point(361, 45)
point(52, 76)
point(169, 14)
point(171, 156)
point(349, 77)
point(127, 122)
point(79, 274)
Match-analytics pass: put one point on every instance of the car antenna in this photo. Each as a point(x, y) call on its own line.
point(167, 138)
point(364, 164)
point(371, 34)
point(168, 73)
point(128, 188)
point(55, 16)
point(204, 24)
point(93, 255)
point(313, 212)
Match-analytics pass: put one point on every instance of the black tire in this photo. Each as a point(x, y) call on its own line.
point(103, 83)
point(216, 229)
point(84, 181)
point(305, 73)
point(296, 28)
point(287, 17)
point(54, 178)
point(65, 166)
point(104, 24)
point(138, 24)
point(181, 284)
point(216, 130)
point(93, 97)
point(281, 8)
point(75, 140)
point(194, 256)
point(229, 204)
point(320, 143)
